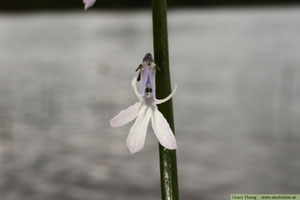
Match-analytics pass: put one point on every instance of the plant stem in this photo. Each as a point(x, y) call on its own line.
point(168, 165)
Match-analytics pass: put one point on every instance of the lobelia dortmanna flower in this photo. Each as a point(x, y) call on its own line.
point(88, 3)
point(146, 110)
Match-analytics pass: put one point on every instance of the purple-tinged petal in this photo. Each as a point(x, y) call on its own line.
point(126, 116)
point(148, 78)
point(137, 133)
point(88, 3)
point(162, 130)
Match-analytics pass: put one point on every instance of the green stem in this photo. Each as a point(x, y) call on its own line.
point(168, 165)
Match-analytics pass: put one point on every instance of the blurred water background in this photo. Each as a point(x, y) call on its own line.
point(63, 75)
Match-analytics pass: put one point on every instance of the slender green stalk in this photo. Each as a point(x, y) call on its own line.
point(168, 165)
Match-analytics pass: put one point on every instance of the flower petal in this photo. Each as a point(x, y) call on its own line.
point(148, 78)
point(137, 133)
point(88, 3)
point(126, 115)
point(162, 130)
point(133, 83)
point(159, 101)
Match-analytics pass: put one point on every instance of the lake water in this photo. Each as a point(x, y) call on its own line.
point(237, 108)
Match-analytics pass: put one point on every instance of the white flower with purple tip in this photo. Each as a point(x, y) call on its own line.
point(144, 110)
point(88, 3)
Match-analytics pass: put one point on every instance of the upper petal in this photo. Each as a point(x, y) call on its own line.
point(159, 101)
point(88, 3)
point(162, 130)
point(137, 133)
point(133, 83)
point(126, 115)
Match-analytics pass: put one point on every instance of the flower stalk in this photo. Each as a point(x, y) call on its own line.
point(168, 163)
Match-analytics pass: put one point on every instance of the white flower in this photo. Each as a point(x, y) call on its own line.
point(143, 111)
point(88, 3)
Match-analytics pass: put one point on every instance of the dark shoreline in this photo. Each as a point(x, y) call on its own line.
point(31, 5)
